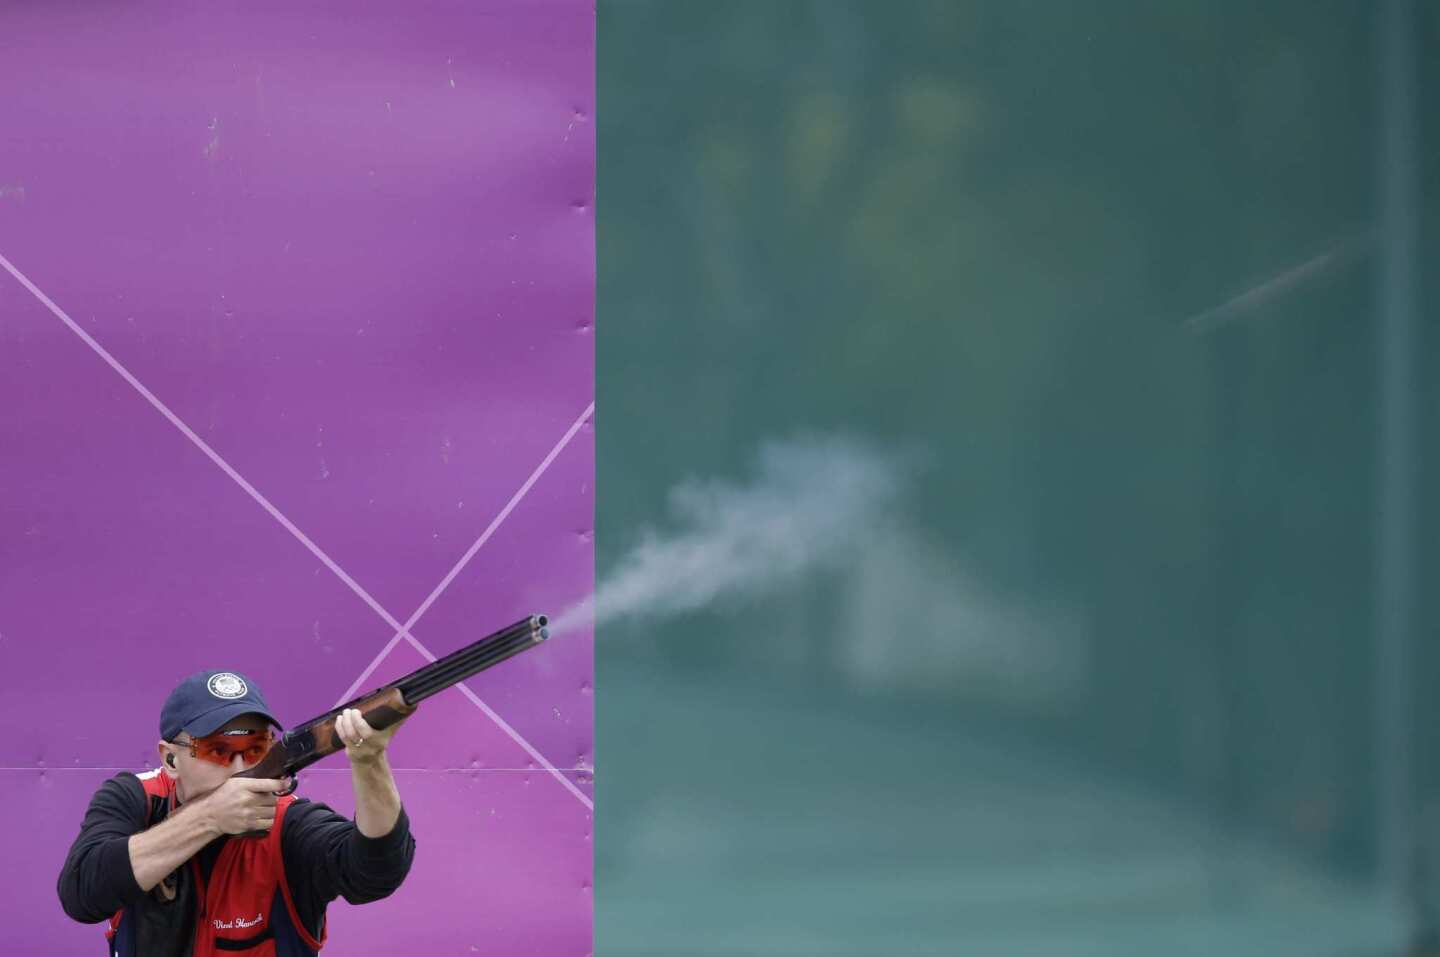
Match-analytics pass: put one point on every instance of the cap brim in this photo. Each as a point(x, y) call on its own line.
point(211, 721)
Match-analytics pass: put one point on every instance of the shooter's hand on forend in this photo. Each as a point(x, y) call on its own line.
point(243, 805)
point(363, 744)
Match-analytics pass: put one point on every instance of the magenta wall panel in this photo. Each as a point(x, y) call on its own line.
point(295, 346)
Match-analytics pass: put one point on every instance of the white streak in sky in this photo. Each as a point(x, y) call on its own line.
point(809, 504)
point(910, 613)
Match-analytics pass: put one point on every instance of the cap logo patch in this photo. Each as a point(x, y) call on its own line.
point(226, 685)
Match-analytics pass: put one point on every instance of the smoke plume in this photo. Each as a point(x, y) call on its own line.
point(910, 613)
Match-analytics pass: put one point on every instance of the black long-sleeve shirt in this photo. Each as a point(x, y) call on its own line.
point(325, 856)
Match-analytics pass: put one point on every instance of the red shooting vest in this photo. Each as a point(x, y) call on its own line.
point(235, 906)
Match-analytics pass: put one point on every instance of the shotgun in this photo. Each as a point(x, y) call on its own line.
point(307, 743)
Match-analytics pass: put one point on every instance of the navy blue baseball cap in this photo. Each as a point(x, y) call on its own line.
point(207, 699)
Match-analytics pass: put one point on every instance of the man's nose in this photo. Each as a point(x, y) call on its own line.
point(237, 762)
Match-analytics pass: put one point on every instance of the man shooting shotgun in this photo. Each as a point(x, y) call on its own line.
point(211, 853)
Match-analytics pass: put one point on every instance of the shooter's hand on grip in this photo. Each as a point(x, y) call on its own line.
point(243, 805)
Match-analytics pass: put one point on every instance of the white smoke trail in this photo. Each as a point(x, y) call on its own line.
point(809, 504)
point(910, 614)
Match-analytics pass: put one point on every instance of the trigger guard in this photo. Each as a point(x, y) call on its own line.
point(294, 783)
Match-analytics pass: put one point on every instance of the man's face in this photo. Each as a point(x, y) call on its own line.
point(195, 777)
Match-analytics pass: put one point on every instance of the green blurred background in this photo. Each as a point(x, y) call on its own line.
point(1140, 288)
